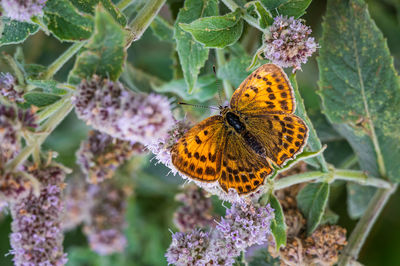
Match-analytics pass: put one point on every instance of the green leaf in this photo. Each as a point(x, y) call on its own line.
point(16, 31)
point(358, 198)
point(105, 52)
point(278, 225)
point(40, 99)
point(162, 30)
point(49, 86)
point(329, 217)
point(216, 31)
point(235, 70)
point(89, 6)
point(264, 16)
point(295, 8)
point(66, 22)
point(206, 88)
point(312, 200)
point(360, 88)
point(261, 257)
point(192, 55)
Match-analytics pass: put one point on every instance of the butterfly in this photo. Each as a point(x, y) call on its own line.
point(239, 147)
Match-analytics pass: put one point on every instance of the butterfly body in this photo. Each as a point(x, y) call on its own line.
point(238, 147)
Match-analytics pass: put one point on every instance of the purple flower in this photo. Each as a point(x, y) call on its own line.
point(15, 186)
point(288, 43)
point(100, 155)
point(188, 248)
point(7, 88)
point(196, 211)
point(111, 108)
point(22, 10)
point(161, 147)
point(36, 236)
point(104, 229)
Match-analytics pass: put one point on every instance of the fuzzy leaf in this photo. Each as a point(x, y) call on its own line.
point(312, 200)
point(162, 29)
point(360, 88)
point(278, 225)
point(192, 55)
point(295, 8)
point(15, 31)
point(235, 70)
point(66, 22)
point(206, 88)
point(358, 198)
point(105, 52)
point(264, 16)
point(216, 31)
point(89, 6)
point(41, 99)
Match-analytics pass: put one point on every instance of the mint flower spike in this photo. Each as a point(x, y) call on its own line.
point(287, 42)
point(7, 88)
point(36, 237)
point(100, 155)
point(22, 10)
point(112, 109)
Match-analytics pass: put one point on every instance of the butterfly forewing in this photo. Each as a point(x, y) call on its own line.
point(242, 169)
point(198, 153)
point(267, 89)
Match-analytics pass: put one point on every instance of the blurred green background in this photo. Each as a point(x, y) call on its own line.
point(152, 205)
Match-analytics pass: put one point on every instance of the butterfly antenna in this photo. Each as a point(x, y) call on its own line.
point(217, 81)
point(199, 106)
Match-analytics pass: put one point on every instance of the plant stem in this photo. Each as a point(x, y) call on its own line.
point(124, 4)
point(143, 19)
point(360, 178)
point(364, 225)
point(249, 19)
point(313, 141)
point(297, 179)
point(60, 61)
point(226, 84)
point(46, 128)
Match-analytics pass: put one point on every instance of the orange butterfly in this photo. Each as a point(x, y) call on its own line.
point(238, 146)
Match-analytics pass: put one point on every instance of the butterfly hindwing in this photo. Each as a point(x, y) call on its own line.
point(198, 153)
point(267, 89)
point(242, 169)
point(282, 135)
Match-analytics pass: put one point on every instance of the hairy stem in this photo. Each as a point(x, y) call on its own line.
point(313, 141)
point(249, 19)
point(143, 19)
point(60, 61)
point(45, 130)
point(226, 84)
point(364, 225)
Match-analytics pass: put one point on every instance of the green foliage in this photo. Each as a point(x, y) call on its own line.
point(358, 198)
point(205, 89)
point(162, 29)
point(66, 22)
point(216, 31)
point(295, 8)
point(40, 99)
point(264, 16)
point(192, 55)
point(235, 70)
point(104, 53)
point(359, 85)
point(312, 200)
point(15, 31)
point(278, 225)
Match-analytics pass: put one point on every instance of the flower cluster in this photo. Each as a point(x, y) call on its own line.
point(15, 186)
point(105, 227)
point(162, 147)
point(36, 236)
point(22, 10)
point(288, 43)
point(77, 203)
point(196, 211)
point(12, 122)
point(100, 155)
point(7, 88)
point(244, 225)
point(111, 108)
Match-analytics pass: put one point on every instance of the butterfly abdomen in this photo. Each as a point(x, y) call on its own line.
point(234, 121)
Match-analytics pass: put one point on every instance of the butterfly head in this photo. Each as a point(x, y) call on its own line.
point(223, 109)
